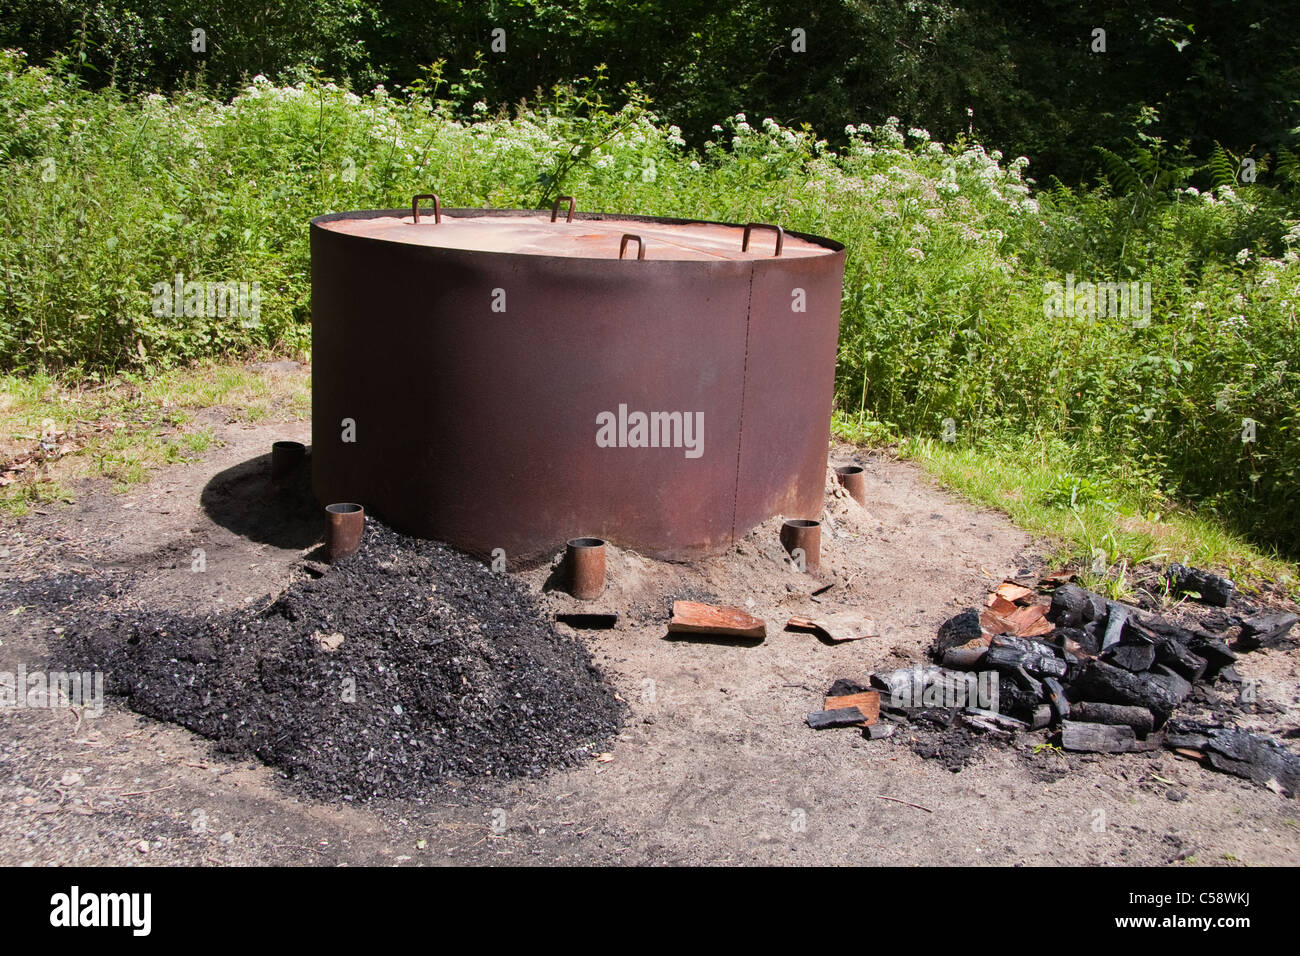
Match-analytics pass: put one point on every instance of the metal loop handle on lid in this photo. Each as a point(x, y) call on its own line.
point(555, 209)
point(640, 246)
point(780, 236)
point(437, 208)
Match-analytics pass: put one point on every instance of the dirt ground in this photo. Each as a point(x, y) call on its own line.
point(713, 766)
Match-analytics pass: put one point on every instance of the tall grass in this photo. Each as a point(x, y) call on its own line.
point(944, 328)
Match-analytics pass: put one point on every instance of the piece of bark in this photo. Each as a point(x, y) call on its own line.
point(844, 717)
point(839, 629)
point(1097, 738)
point(1057, 578)
point(692, 617)
point(1010, 591)
point(868, 702)
point(1030, 621)
point(1138, 718)
point(995, 623)
point(999, 605)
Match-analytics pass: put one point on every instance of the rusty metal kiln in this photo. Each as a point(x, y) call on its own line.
point(512, 379)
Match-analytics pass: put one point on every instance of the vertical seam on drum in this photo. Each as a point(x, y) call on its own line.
point(744, 387)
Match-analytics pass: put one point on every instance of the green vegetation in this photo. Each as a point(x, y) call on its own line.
point(1189, 412)
point(1036, 80)
point(1107, 531)
point(53, 433)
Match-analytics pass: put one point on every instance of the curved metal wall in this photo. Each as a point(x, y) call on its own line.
point(478, 427)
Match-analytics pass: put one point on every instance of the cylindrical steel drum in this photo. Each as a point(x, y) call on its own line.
point(510, 379)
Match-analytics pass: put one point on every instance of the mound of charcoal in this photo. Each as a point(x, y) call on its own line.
point(1105, 676)
point(402, 666)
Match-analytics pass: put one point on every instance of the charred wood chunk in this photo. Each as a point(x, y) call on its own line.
point(1116, 617)
point(960, 629)
point(1175, 655)
point(1252, 756)
point(993, 718)
point(1072, 606)
point(1139, 718)
point(1131, 657)
point(1012, 653)
point(941, 717)
point(1109, 684)
point(1171, 679)
point(1264, 630)
point(1097, 738)
point(925, 687)
point(1211, 588)
point(1170, 643)
point(1016, 699)
point(1148, 744)
point(1056, 698)
point(967, 657)
point(840, 717)
point(845, 686)
point(1215, 651)
point(1093, 634)
point(1078, 640)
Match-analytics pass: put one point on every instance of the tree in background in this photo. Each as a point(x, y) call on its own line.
point(1033, 78)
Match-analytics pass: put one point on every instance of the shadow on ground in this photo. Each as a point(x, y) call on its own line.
point(243, 499)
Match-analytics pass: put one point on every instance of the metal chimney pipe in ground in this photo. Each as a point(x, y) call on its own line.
point(803, 534)
point(345, 523)
point(585, 558)
point(285, 457)
point(853, 478)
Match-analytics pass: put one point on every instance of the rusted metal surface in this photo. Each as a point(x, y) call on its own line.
point(472, 358)
point(853, 479)
point(286, 456)
point(345, 523)
point(585, 558)
point(803, 535)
